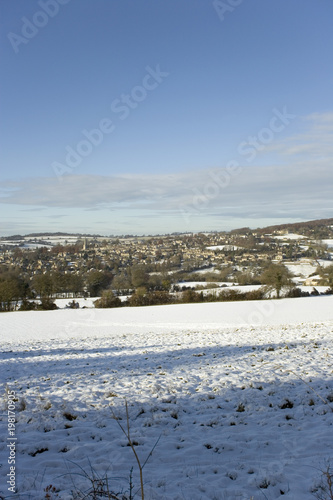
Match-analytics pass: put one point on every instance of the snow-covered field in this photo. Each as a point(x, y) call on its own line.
point(329, 243)
point(290, 236)
point(238, 394)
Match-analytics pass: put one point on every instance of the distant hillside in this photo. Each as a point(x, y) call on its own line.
point(322, 228)
point(49, 235)
point(318, 229)
point(78, 235)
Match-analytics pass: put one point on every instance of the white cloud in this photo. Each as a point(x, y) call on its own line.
point(299, 188)
point(253, 190)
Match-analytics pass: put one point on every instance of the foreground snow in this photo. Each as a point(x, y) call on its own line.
point(227, 388)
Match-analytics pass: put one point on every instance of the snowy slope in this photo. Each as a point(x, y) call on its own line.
point(227, 388)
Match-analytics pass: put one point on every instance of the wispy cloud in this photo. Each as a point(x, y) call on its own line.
point(300, 187)
point(94, 191)
point(256, 189)
point(313, 142)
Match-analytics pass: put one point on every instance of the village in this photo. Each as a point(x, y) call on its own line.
point(63, 265)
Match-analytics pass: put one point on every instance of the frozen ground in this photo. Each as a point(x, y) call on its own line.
point(227, 388)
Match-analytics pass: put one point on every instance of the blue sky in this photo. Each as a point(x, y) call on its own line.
point(154, 116)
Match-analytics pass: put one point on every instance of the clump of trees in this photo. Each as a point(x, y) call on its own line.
point(46, 304)
point(96, 281)
point(143, 297)
point(13, 288)
point(247, 278)
point(327, 276)
point(51, 284)
point(276, 277)
point(107, 300)
point(225, 295)
point(234, 294)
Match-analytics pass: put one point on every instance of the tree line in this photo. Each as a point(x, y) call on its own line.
point(16, 287)
point(142, 287)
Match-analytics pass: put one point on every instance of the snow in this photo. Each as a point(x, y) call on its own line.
point(290, 236)
point(329, 242)
point(46, 241)
point(219, 286)
point(36, 245)
point(236, 394)
point(58, 240)
point(83, 302)
point(306, 267)
point(206, 270)
point(9, 243)
point(222, 247)
point(301, 268)
point(325, 263)
point(193, 284)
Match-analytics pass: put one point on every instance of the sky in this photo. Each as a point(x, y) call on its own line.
point(161, 116)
